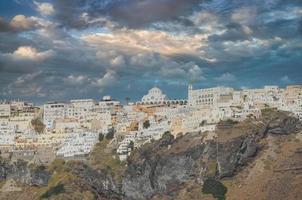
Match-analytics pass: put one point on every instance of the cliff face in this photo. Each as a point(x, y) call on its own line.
point(162, 168)
point(21, 171)
point(165, 166)
point(165, 170)
point(99, 181)
point(234, 153)
point(176, 168)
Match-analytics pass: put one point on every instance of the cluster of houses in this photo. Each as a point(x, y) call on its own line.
point(70, 129)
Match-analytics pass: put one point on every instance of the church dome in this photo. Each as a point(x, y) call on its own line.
point(154, 96)
point(155, 90)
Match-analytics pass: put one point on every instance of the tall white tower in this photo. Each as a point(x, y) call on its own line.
point(190, 91)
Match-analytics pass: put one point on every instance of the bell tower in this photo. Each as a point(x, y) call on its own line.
point(190, 91)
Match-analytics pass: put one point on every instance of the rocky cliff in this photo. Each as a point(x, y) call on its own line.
point(23, 172)
point(165, 166)
point(177, 168)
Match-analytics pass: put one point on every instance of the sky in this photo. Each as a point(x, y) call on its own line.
point(61, 50)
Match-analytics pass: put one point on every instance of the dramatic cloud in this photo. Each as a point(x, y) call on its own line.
point(107, 80)
point(130, 13)
point(76, 80)
point(4, 26)
point(23, 59)
point(26, 85)
point(44, 8)
point(147, 40)
point(244, 16)
point(120, 47)
point(135, 13)
point(30, 53)
point(22, 23)
point(195, 74)
point(226, 77)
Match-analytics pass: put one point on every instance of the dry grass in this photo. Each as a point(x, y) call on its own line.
point(103, 158)
point(260, 180)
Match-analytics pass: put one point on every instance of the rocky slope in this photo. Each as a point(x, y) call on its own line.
point(23, 172)
point(164, 167)
point(190, 166)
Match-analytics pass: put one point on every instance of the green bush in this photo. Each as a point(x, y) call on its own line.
point(214, 187)
point(101, 137)
point(131, 145)
point(146, 124)
point(110, 134)
point(38, 125)
point(54, 191)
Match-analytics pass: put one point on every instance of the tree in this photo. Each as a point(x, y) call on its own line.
point(204, 122)
point(110, 134)
point(127, 100)
point(245, 98)
point(131, 145)
point(101, 137)
point(38, 125)
point(146, 124)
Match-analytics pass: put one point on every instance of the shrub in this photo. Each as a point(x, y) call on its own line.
point(54, 191)
point(110, 134)
point(214, 187)
point(101, 137)
point(131, 145)
point(38, 125)
point(146, 124)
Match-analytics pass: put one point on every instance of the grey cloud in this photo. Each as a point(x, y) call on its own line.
point(225, 77)
point(5, 26)
point(21, 23)
point(252, 49)
point(136, 13)
point(131, 13)
point(233, 32)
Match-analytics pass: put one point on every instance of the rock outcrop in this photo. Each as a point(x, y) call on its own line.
point(21, 171)
point(100, 182)
point(281, 123)
point(234, 153)
point(163, 169)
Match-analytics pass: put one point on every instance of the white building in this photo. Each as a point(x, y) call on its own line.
point(124, 144)
point(155, 131)
point(53, 111)
point(22, 121)
point(102, 122)
point(154, 96)
point(83, 103)
point(7, 140)
point(298, 114)
point(237, 98)
point(107, 105)
point(79, 108)
point(78, 144)
point(5, 110)
point(66, 123)
point(269, 95)
point(209, 97)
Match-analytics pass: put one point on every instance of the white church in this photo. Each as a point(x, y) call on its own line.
point(154, 96)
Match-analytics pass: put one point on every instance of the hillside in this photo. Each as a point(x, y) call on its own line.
point(254, 159)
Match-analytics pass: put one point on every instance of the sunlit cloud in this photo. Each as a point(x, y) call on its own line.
point(30, 53)
point(44, 8)
point(148, 40)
